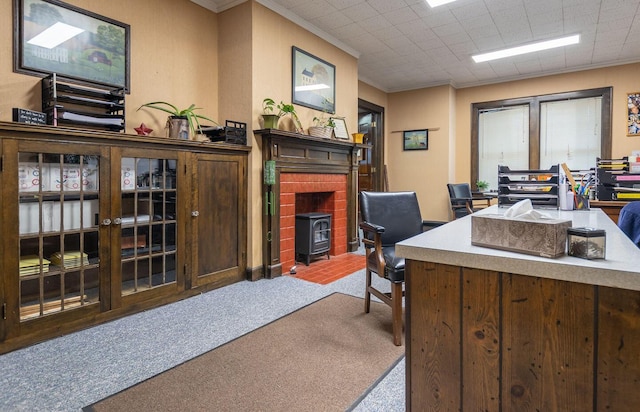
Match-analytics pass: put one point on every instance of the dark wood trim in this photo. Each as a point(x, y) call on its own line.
point(534, 103)
point(376, 141)
point(255, 273)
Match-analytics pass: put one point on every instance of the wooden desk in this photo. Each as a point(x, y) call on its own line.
point(610, 207)
point(495, 330)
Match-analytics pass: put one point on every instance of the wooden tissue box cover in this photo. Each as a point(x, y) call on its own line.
point(546, 238)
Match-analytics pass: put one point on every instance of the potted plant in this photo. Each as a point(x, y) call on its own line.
point(482, 185)
point(322, 127)
point(271, 117)
point(181, 122)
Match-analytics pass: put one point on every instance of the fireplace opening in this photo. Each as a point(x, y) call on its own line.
point(313, 235)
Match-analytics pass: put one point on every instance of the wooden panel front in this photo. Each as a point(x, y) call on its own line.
point(618, 350)
point(481, 339)
point(484, 340)
point(547, 348)
point(219, 234)
point(434, 363)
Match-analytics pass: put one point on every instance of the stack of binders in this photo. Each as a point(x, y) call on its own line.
point(72, 259)
point(31, 265)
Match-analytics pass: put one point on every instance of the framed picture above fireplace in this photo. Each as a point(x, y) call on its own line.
point(78, 45)
point(314, 81)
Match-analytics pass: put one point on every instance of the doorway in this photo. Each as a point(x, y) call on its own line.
point(371, 170)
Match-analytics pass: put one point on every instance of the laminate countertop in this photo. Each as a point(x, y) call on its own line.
point(451, 244)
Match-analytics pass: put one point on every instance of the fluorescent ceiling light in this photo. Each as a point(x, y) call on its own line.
point(55, 35)
point(435, 3)
point(529, 48)
point(312, 87)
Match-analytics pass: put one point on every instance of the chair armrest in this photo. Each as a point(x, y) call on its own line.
point(371, 227)
point(462, 199)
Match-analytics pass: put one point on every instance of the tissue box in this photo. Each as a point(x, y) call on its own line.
point(546, 237)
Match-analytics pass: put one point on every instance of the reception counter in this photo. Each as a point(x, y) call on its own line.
point(494, 330)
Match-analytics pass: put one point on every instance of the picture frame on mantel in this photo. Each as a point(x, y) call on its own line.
point(340, 128)
point(313, 81)
point(51, 36)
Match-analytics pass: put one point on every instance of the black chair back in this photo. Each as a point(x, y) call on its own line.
point(459, 196)
point(398, 212)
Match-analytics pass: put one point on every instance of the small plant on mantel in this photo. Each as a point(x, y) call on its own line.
point(271, 118)
point(323, 125)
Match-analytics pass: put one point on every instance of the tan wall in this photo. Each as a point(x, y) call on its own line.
point(173, 58)
point(422, 171)
point(372, 94)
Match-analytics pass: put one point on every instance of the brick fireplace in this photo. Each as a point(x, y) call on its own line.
point(311, 175)
point(305, 193)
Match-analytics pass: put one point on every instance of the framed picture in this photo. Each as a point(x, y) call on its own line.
point(633, 114)
point(54, 37)
point(415, 139)
point(340, 129)
point(314, 82)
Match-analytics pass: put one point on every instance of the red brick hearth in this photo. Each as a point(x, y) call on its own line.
point(310, 192)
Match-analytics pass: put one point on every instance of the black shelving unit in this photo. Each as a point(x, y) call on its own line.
point(541, 186)
point(71, 105)
point(614, 181)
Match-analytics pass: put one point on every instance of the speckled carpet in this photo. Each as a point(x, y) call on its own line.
point(324, 356)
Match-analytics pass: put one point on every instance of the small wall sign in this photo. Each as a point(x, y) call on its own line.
point(29, 116)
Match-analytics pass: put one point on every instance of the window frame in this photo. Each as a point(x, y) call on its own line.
point(534, 102)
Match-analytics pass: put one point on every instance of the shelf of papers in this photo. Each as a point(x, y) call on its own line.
point(615, 182)
point(540, 186)
point(72, 105)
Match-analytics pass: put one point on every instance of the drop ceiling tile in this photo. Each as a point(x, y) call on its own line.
point(402, 16)
point(405, 42)
point(312, 10)
point(343, 4)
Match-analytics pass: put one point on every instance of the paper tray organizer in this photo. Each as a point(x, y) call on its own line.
point(541, 186)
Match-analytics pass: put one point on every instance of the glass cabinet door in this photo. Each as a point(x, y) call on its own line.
point(148, 223)
point(58, 232)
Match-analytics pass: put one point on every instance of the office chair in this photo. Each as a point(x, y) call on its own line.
point(461, 199)
point(388, 218)
point(629, 221)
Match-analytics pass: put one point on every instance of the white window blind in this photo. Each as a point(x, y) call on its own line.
point(570, 132)
point(503, 139)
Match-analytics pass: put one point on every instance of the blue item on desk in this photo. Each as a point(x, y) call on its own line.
point(629, 221)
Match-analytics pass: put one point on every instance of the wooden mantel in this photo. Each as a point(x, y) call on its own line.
point(296, 153)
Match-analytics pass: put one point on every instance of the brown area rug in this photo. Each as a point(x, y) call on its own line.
point(322, 357)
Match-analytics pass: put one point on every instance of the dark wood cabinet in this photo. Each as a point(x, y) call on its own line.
point(98, 225)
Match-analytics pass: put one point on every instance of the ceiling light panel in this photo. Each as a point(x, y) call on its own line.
point(436, 3)
point(528, 48)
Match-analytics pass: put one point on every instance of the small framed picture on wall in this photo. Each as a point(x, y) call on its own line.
point(415, 139)
point(633, 114)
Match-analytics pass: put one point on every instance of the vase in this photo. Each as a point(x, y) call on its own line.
point(270, 121)
point(178, 127)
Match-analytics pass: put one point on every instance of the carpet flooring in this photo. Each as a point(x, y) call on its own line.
point(324, 356)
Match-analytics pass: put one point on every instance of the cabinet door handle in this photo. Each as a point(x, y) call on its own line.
point(195, 213)
point(106, 222)
point(117, 221)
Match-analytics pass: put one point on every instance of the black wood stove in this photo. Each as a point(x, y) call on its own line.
point(313, 235)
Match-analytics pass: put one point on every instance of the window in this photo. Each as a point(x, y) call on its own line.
point(540, 131)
